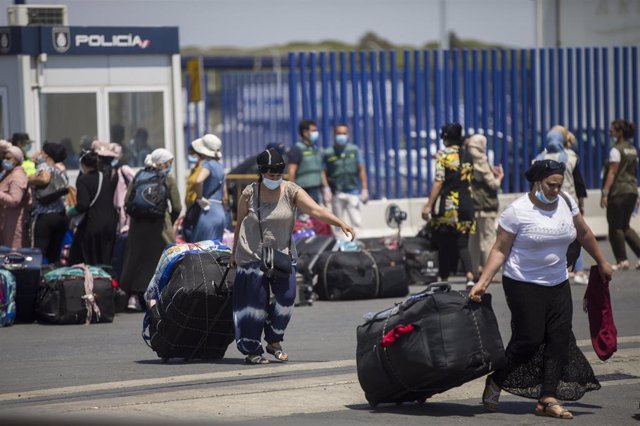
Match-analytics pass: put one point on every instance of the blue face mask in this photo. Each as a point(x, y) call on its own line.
point(314, 136)
point(170, 169)
point(543, 199)
point(271, 184)
point(342, 139)
point(114, 162)
point(7, 165)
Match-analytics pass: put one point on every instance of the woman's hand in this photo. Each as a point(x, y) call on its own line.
point(348, 231)
point(606, 271)
point(477, 292)
point(426, 212)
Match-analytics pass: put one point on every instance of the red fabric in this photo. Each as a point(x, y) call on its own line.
point(321, 228)
point(604, 335)
point(396, 333)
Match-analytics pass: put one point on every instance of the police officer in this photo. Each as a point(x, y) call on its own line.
point(347, 177)
point(305, 163)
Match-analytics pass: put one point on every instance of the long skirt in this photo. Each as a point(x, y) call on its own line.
point(543, 358)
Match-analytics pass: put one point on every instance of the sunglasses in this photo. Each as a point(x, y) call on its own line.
point(553, 165)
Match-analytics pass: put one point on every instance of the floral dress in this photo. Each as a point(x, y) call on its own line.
point(454, 207)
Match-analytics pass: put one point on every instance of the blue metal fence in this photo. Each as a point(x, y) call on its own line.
point(395, 103)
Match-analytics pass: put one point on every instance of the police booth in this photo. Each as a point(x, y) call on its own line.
point(73, 85)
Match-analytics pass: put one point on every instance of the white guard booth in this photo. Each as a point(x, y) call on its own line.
point(76, 84)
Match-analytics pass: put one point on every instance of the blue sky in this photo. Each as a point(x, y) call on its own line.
point(256, 23)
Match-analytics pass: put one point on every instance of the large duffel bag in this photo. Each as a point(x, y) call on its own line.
point(309, 250)
point(392, 273)
point(434, 341)
point(25, 264)
point(193, 317)
point(71, 295)
point(347, 276)
point(420, 260)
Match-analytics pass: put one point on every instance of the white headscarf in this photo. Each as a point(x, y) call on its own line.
point(157, 157)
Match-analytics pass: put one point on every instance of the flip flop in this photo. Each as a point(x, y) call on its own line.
point(278, 353)
point(491, 395)
point(256, 360)
point(542, 409)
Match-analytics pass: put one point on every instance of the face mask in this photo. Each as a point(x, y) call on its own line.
point(39, 159)
point(170, 169)
point(114, 162)
point(271, 184)
point(7, 165)
point(314, 136)
point(543, 199)
point(342, 139)
point(193, 159)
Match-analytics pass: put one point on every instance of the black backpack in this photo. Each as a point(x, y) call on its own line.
point(149, 194)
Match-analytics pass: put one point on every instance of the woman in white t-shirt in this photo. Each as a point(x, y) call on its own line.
point(543, 360)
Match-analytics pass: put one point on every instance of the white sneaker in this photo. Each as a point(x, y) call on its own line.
point(470, 285)
point(581, 278)
point(134, 304)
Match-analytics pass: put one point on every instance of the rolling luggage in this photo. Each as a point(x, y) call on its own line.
point(433, 341)
point(25, 265)
point(73, 295)
point(7, 298)
point(347, 276)
point(392, 273)
point(420, 260)
point(309, 250)
point(193, 316)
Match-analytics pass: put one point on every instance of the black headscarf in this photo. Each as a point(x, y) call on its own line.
point(543, 169)
point(270, 160)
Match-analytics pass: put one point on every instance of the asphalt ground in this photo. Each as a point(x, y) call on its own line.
point(105, 374)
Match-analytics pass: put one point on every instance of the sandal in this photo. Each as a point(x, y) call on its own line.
point(490, 395)
point(277, 352)
point(256, 360)
point(543, 409)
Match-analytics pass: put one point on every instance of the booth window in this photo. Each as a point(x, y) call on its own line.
point(70, 119)
point(137, 123)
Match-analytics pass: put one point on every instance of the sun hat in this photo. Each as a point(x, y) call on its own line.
point(209, 145)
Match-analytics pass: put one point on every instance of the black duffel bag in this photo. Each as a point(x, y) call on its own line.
point(193, 319)
point(420, 260)
point(346, 276)
point(392, 273)
point(434, 341)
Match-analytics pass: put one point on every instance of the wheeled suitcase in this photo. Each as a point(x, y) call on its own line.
point(420, 260)
point(68, 296)
point(347, 276)
point(392, 273)
point(433, 341)
point(25, 265)
point(309, 250)
point(7, 298)
point(193, 317)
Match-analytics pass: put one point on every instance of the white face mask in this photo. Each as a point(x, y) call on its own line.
point(271, 184)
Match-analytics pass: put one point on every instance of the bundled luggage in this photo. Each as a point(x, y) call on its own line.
point(7, 298)
point(420, 260)
point(309, 250)
point(433, 341)
point(347, 276)
point(191, 315)
point(392, 273)
point(25, 265)
point(76, 295)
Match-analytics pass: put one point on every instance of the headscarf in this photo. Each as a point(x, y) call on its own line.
point(542, 169)
point(477, 146)
point(555, 145)
point(16, 153)
point(157, 157)
point(270, 160)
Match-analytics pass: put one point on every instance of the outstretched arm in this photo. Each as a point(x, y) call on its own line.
point(305, 203)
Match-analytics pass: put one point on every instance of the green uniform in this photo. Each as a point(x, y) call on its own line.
point(342, 169)
point(626, 181)
point(309, 170)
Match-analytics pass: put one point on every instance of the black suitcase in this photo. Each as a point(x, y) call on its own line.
point(420, 260)
point(25, 264)
point(347, 276)
point(193, 319)
point(309, 250)
point(433, 341)
point(392, 273)
point(64, 301)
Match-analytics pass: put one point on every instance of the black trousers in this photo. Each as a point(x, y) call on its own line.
point(453, 246)
point(48, 233)
point(540, 315)
point(619, 210)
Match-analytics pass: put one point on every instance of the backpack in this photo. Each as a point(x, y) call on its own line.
point(148, 196)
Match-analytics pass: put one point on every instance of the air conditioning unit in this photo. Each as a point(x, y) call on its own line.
point(37, 14)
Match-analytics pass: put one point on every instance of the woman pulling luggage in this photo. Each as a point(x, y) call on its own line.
point(543, 360)
point(265, 257)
